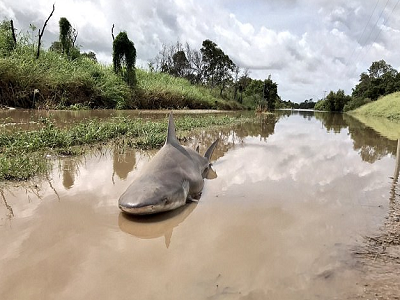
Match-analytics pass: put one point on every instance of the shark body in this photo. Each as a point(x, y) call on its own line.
point(174, 176)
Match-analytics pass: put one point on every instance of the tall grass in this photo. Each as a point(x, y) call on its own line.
point(160, 90)
point(56, 81)
point(385, 107)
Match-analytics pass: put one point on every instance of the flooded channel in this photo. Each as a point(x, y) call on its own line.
point(295, 193)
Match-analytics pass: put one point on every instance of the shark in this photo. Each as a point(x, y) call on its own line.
point(173, 177)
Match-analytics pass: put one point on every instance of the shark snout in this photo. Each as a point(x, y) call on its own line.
point(139, 210)
point(153, 200)
point(140, 206)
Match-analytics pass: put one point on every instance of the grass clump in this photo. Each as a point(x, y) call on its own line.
point(23, 153)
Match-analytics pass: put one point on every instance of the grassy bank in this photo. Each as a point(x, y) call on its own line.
point(385, 107)
point(23, 153)
point(160, 90)
point(56, 81)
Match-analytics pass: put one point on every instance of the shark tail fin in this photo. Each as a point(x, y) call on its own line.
point(171, 137)
point(210, 150)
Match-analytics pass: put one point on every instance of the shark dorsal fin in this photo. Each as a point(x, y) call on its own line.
point(171, 137)
point(210, 150)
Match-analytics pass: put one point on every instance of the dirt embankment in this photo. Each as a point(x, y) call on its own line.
point(380, 256)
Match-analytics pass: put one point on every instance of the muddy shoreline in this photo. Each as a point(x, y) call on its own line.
point(379, 257)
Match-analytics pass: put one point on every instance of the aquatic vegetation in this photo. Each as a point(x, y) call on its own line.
point(23, 153)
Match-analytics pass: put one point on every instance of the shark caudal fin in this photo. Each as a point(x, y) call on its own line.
point(171, 137)
point(210, 150)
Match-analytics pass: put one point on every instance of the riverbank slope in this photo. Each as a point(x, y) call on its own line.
point(385, 107)
point(54, 81)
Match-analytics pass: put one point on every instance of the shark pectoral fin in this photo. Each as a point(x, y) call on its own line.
point(167, 237)
point(193, 198)
point(210, 150)
point(211, 174)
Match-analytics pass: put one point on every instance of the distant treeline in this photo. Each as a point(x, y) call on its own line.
point(380, 80)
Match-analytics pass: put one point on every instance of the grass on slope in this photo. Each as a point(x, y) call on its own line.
point(385, 107)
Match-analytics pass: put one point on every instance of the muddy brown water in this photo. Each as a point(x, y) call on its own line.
point(295, 193)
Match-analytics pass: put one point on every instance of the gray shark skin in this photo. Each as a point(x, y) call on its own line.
point(174, 176)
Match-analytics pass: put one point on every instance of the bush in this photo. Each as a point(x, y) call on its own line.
point(355, 103)
point(322, 105)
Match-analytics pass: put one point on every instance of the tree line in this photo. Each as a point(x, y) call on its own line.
point(380, 79)
point(211, 67)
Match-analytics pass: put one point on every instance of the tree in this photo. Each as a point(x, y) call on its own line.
point(261, 94)
point(178, 61)
point(333, 101)
point(179, 64)
point(124, 58)
point(217, 66)
point(270, 93)
point(6, 39)
point(91, 55)
point(65, 35)
point(381, 79)
point(41, 33)
point(243, 82)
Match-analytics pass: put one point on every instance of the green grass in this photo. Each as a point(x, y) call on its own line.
point(23, 153)
point(59, 82)
point(385, 107)
point(160, 90)
point(55, 81)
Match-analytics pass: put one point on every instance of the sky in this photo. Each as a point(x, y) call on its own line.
point(309, 47)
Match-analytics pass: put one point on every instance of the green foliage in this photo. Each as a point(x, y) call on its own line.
point(77, 81)
point(253, 94)
point(218, 67)
point(124, 58)
point(180, 64)
point(355, 103)
point(333, 101)
point(380, 80)
point(6, 39)
point(55, 80)
point(270, 92)
point(65, 35)
point(322, 105)
point(261, 94)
